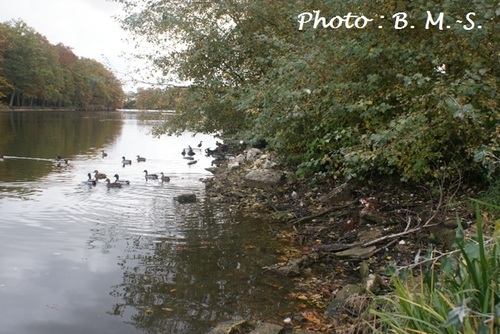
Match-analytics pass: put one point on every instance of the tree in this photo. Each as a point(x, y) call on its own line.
point(418, 103)
point(4, 85)
point(37, 73)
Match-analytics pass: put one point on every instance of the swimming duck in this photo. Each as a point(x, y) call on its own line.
point(192, 162)
point(151, 176)
point(112, 185)
point(139, 159)
point(164, 178)
point(117, 180)
point(126, 162)
point(90, 181)
point(183, 151)
point(104, 154)
point(190, 152)
point(61, 161)
point(199, 145)
point(99, 176)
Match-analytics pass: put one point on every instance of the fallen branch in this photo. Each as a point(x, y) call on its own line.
point(319, 214)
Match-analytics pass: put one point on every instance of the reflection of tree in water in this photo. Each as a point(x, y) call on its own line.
point(185, 285)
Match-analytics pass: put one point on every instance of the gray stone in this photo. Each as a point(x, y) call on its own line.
point(267, 164)
point(253, 153)
point(338, 196)
point(186, 198)
point(263, 178)
point(373, 284)
point(290, 269)
point(357, 252)
point(212, 170)
point(340, 300)
point(233, 165)
point(267, 328)
point(231, 327)
point(370, 217)
point(240, 158)
point(370, 233)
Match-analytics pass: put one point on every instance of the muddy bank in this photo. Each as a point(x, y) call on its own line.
point(342, 236)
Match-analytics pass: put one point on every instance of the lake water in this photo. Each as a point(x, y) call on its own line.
point(76, 258)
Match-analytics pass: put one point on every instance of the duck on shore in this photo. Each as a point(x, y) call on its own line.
point(104, 154)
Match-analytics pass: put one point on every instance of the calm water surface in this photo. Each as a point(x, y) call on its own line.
point(76, 258)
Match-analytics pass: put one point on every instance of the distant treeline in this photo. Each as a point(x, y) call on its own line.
point(37, 74)
point(156, 98)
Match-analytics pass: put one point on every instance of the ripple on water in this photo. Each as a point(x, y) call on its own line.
point(141, 208)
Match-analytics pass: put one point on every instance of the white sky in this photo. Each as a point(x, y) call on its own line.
point(87, 26)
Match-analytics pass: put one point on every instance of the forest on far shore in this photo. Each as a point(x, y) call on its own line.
point(37, 74)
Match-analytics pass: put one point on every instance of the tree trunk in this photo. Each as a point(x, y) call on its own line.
point(12, 98)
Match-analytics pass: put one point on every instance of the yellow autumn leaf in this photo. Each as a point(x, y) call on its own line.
point(311, 317)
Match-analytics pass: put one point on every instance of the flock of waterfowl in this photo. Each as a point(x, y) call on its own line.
point(117, 183)
point(188, 154)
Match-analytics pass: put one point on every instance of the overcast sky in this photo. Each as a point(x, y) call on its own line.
point(87, 26)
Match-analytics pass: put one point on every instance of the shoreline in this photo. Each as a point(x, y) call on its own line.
point(340, 233)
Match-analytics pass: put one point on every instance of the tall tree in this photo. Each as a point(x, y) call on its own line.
point(4, 45)
point(381, 98)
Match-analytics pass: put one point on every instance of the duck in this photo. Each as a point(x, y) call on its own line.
point(151, 176)
point(139, 159)
point(104, 154)
point(192, 162)
point(190, 151)
point(90, 181)
point(117, 180)
point(126, 162)
point(112, 185)
point(201, 142)
point(164, 178)
point(99, 176)
point(61, 161)
point(183, 151)
point(209, 152)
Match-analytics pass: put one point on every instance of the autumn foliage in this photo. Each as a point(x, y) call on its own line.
point(35, 73)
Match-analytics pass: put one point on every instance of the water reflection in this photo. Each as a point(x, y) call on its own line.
point(180, 285)
point(39, 137)
point(80, 258)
